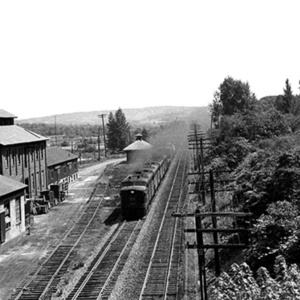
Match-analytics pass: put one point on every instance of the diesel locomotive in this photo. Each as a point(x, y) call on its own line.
point(139, 188)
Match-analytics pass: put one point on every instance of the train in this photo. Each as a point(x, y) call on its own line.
point(138, 189)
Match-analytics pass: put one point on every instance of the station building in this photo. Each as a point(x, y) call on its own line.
point(22, 155)
point(62, 166)
point(23, 173)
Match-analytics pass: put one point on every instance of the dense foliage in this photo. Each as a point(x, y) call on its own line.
point(239, 283)
point(284, 102)
point(259, 144)
point(69, 131)
point(232, 96)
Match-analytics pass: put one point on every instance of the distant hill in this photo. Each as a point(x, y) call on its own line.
point(135, 116)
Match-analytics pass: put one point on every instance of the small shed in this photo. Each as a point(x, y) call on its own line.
point(138, 151)
point(12, 208)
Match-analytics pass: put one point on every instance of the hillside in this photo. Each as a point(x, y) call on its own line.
point(136, 116)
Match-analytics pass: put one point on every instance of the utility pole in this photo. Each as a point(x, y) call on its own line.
point(99, 143)
point(214, 223)
point(197, 142)
point(201, 257)
point(104, 138)
point(55, 131)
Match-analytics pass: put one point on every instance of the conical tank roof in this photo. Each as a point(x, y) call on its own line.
point(138, 145)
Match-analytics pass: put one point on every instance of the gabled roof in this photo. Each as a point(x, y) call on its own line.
point(57, 156)
point(13, 134)
point(8, 185)
point(138, 145)
point(5, 114)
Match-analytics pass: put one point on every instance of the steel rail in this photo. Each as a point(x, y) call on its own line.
point(118, 260)
point(71, 250)
point(25, 288)
point(98, 262)
point(159, 233)
point(94, 282)
point(171, 252)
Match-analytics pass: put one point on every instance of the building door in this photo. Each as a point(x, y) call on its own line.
point(2, 227)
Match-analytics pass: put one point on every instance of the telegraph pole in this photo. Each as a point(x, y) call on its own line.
point(104, 138)
point(55, 131)
point(99, 143)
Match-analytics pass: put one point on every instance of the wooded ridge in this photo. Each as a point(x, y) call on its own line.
point(135, 116)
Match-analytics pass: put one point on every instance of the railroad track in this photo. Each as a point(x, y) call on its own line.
point(46, 278)
point(101, 277)
point(161, 278)
point(191, 274)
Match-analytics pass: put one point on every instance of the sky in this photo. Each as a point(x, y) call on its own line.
point(72, 56)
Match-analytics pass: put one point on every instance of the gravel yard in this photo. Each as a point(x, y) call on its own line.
point(22, 256)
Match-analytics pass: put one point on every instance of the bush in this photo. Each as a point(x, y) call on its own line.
point(239, 283)
point(65, 144)
point(276, 232)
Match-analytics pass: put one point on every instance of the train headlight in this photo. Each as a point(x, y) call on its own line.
point(131, 192)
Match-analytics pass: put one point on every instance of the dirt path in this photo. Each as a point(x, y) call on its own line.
point(22, 255)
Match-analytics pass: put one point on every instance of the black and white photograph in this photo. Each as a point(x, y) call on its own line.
point(149, 150)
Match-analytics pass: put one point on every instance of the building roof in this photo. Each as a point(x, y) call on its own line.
point(8, 185)
point(5, 114)
point(138, 145)
point(57, 156)
point(13, 134)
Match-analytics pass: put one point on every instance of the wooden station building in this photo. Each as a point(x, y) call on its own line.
point(62, 166)
point(23, 172)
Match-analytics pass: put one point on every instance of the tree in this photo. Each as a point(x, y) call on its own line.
point(145, 134)
point(284, 102)
point(118, 131)
point(143, 131)
point(216, 110)
point(233, 96)
point(254, 125)
point(122, 129)
point(111, 128)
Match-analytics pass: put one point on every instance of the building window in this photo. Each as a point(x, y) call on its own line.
point(7, 214)
point(13, 156)
point(19, 156)
point(18, 210)
point(10, 162)
point(25, 157)
point(32, 181)
point(52, 174)
point(7, 158)
point(43, 179)
point(37, 154)
point(32, 154)
point(38, 180)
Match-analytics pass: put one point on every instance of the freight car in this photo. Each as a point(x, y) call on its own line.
point(139, 188)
